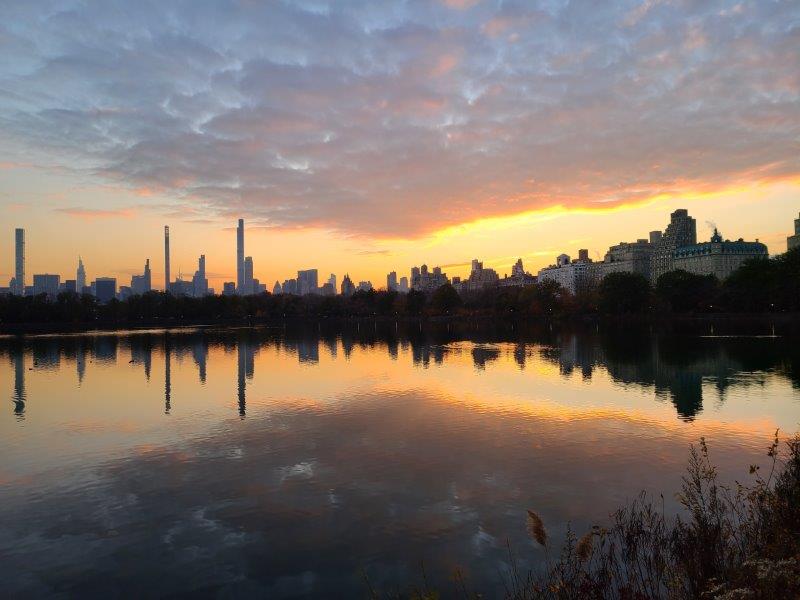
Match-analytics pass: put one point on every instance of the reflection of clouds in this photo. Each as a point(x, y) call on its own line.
point(312, 494)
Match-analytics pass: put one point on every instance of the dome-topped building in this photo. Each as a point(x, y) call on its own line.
point(717, 257)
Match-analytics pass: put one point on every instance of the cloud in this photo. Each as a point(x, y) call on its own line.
point(460, 4)
point(398, 121)
point(96, 213)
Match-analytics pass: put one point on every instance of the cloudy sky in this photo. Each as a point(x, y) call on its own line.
point(367, 136)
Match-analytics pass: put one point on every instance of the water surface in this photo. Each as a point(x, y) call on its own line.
point(291, 462)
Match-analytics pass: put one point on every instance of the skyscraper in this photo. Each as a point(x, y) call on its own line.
point(391, 282)
point(105, 289)
point(348, 289)
point(681, 231)
point(199, 281)
point(141, 284)
point(247, 279)
point(240, 257)
point(19, 264)
point(307, 282)
point(166, 258)
point(793, 241)
point(46, 284)
point(80, 279)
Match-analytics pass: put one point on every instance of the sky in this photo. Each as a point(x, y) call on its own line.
point(363, 137)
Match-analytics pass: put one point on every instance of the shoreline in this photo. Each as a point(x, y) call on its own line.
point(790, 321)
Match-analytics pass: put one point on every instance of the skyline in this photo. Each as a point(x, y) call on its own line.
point(246, 279)
point(361, 137)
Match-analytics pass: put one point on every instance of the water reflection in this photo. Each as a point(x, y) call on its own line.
point(19, 384)
point(677, 368)
point(365, 447)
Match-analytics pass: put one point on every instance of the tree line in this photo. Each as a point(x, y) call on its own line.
point(768, 285)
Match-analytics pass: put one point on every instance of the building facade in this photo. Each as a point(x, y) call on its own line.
point(199, 281)
point(480, 278)
point(240, 283)
point(628, 257)
point(424, 280)
point(681, 232)
point(80, 276)
point(518, 278)
point(793, 241)
point(717, 257)
point(575, 276)
point(46, 284)
point(142, 284)
point(307, 282)
point(391, 282)
point(18, 283)
point(348, 289)
point(105, 289)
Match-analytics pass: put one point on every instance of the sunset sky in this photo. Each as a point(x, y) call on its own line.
point(364, 136)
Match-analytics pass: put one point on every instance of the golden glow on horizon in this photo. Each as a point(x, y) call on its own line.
point(115, 241)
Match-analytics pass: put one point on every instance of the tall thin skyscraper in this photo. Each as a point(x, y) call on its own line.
point(80, 278)
point(199, 281)
point(166, 258)
point(148, 277)
point(247, 283)
point(19, 265)
point(240, 283)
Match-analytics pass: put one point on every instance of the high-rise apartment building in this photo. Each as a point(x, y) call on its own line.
point(199, 281)
point(391, 282)
point(793, 241)
point(141, 284)
point(247, 280)
point(105, 289)
point(166, 258)
point(240, 275)
point(80, 276)
point(18, 286)
point(681, 231)
point(307, 282)
point(46, 284)
point(348, 289)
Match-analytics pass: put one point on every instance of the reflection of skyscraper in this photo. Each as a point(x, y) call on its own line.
point(200, 356)
point(18, 286)
point(19, 383)
point(520, 355)
point(308, 350)
point(167, 374)
point(80, 363)
point(245, 372)
point(142, 353)
point(166, 258)
point(240, 257)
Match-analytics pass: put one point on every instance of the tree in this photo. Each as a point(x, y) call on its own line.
point(445, 299)
point(682, 291)
point(624, 293)
point(415, 302)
